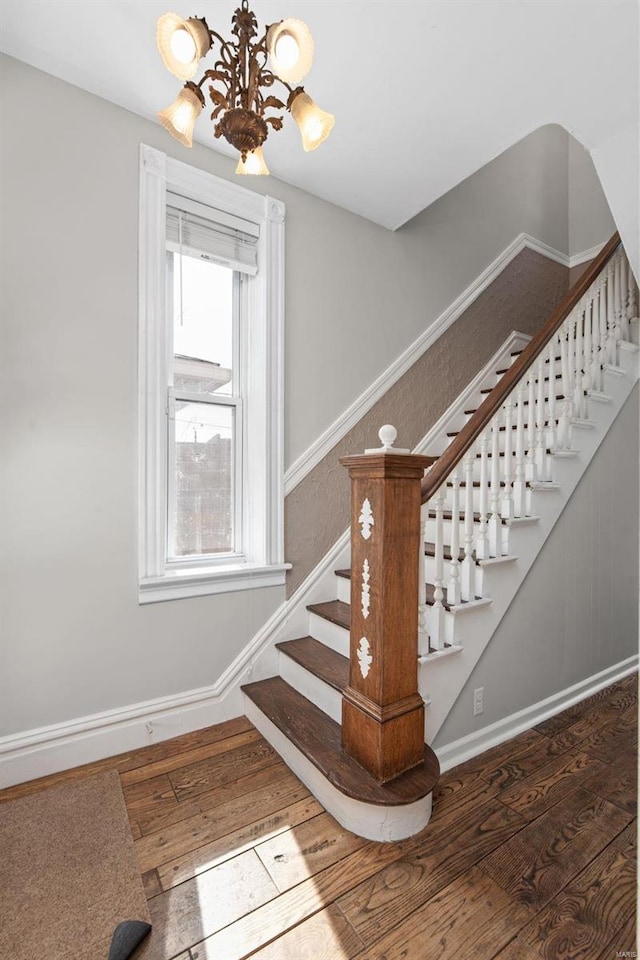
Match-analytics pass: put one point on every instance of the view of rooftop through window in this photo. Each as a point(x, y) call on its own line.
point(201, 481)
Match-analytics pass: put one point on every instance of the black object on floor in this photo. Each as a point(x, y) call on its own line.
point(126, 937)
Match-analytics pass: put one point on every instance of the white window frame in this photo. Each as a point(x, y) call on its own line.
point(262, 562)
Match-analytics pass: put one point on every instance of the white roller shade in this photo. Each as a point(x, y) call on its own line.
point(212, 234)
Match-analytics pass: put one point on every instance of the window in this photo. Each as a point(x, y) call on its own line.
point(211, 410)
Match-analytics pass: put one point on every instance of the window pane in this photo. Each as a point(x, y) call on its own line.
point(202, 325)
point(201, 514)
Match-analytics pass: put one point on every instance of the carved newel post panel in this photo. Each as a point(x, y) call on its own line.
point(382, 711)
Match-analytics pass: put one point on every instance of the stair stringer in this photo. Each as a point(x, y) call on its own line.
point(441, 679)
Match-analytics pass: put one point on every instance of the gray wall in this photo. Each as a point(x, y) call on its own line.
point(577, 611)
point(74, 639)
point(590, 220)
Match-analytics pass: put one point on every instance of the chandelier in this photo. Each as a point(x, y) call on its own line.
point(240, 81)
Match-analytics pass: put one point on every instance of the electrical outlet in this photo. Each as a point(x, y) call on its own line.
point(478, 701)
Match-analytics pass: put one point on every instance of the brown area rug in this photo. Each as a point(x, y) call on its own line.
point(68, 872)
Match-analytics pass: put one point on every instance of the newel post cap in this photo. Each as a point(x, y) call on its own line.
point(387, 434)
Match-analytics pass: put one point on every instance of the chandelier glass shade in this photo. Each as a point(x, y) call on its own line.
point(239, 82)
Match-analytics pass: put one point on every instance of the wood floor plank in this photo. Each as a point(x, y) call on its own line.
point(472, 913)
point(627, 840)
point(618, 782)
point(151, 884)
point(395, 892)
point(190, 757)
point(210, 854)
point(518, 950)
point(183, 743)
point(326, 935)
point(136, 833)
point(613, 738)
point(599, 716)
point(518, 768)
point(546, 785)
point(215, 771)
point(200, 907)
point(129, 760)
point(181, 838)
point(455, 795)
point(624, 942)
point(252, 781)
point(149, 796)
point(258, 928)
point(305, 850)
point(490, 759)
point(535, 864)
point(577, 923)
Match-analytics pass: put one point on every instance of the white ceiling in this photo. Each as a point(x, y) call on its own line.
point(424, 91)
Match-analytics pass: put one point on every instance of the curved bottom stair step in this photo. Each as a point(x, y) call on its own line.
point(318, 737)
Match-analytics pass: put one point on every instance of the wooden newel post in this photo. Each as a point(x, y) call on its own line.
point(382, 711)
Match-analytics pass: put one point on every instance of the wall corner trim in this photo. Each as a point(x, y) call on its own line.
point(477, 742)
point(349, 417)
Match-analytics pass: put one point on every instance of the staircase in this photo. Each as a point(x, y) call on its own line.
point(505, 460)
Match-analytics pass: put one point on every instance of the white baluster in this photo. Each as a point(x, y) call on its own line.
point(495, 520)
point(423, 633)
point(617, 299)
point(579, 409)
point(564, 423)
point(531, 427)
point(482, 537)
point(611, 353)
point(520, 485)
point(468, 569)
point(453, 584)
point(588, 347)
point(541, 449)
point(507, 468)
point(603, 357)
point(623, 294)
point(551, 428)
point(595, 338)
point(632, 302)
point(437, 612)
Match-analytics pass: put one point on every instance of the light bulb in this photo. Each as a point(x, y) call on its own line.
point(254, 165)
point(290, 48)
point(183, 46)
point(179, 119)
point(313, 129)
point(314, 124)
point(287, 51)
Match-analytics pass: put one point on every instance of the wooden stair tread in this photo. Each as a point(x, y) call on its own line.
point(345, 574)
point(525, 403)
point(500, 373)
point(318, 659)
point(448, 515)
point(334, 610)
point(514, 426)
point(318, 737)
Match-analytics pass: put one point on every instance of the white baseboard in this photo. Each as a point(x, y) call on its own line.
point(477, 742)
point(46, 750)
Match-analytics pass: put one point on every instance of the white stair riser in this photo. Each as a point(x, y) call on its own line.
point(329, 633)
point(343, 588)
point(313, 688)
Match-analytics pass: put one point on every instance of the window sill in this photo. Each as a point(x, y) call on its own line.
point(180, 584)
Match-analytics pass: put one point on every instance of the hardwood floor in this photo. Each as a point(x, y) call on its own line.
point(530, 853)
